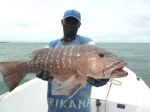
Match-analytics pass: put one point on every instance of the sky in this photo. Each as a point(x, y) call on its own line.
point(102, 20)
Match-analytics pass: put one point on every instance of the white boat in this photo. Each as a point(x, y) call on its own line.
point(128, 94)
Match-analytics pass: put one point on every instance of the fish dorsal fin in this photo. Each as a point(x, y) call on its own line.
point(38, 52)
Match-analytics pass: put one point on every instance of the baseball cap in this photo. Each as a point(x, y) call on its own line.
point(72, 13)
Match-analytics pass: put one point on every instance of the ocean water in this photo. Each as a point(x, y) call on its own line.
point(137, 55)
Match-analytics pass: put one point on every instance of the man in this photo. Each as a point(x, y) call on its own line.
point(80, 102)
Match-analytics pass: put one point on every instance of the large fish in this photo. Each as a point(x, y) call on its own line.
point(71, 65)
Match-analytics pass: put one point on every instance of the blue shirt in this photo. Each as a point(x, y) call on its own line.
point(80, 102)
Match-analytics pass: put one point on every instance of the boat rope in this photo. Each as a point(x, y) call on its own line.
point(3, 96)
point(112, 81)
point(115, 82)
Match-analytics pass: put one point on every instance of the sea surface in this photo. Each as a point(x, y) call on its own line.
point(137, 55)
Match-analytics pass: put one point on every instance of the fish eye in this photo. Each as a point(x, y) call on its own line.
point(101, 55)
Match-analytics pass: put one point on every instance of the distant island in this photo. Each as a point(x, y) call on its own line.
point(3, 42)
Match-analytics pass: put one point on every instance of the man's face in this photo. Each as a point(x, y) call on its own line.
point(70, 26)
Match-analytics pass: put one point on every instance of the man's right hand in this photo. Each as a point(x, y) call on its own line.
point(43, 75)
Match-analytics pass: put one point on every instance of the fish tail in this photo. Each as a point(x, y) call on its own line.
point(13, 73)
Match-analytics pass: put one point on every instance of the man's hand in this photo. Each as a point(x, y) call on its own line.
point(97, 82)
point(43, 75)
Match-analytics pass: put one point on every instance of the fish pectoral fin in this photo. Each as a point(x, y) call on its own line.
point(70, 87)
point(76, 89)
point(77, 85)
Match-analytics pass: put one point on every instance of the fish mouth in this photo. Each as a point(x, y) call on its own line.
point(116, 70)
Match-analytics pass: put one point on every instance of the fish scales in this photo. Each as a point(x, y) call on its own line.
point(58, 61)
point(62, 57)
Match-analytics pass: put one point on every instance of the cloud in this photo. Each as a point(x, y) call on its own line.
point(110, 21)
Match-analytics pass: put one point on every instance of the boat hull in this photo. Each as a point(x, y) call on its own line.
point(126, 94)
